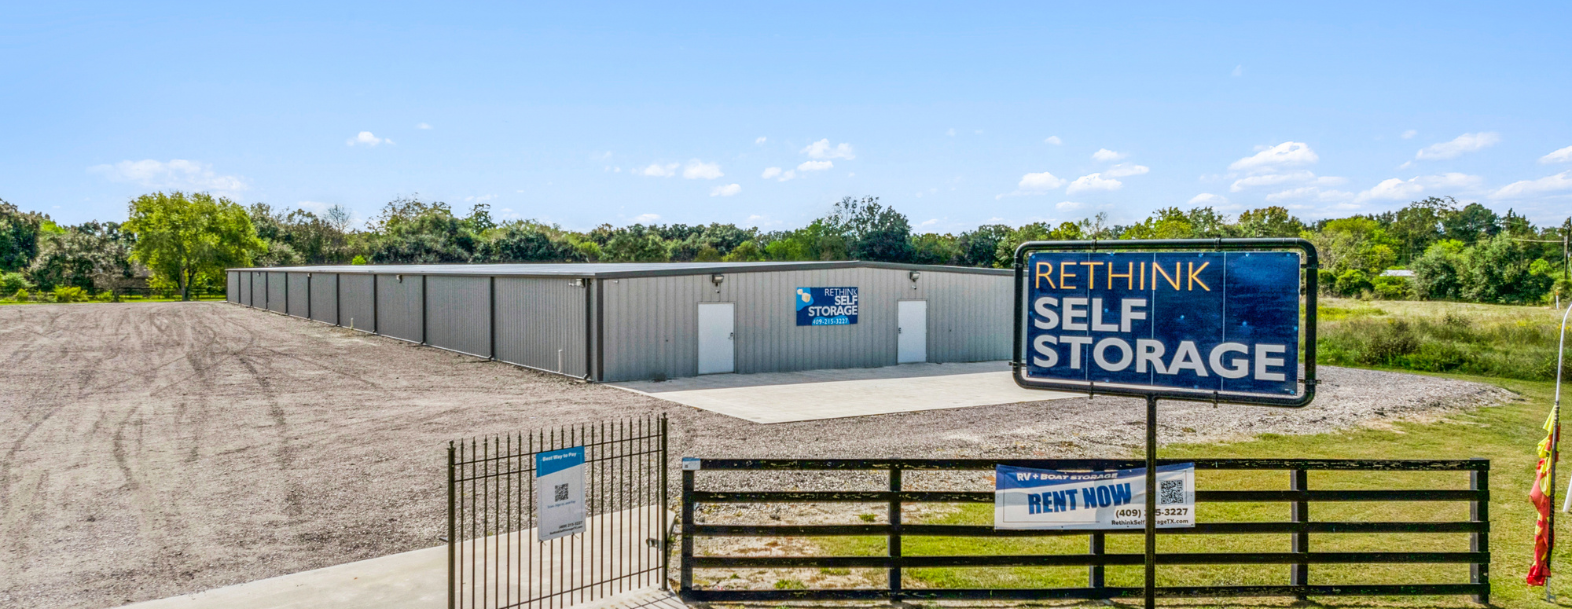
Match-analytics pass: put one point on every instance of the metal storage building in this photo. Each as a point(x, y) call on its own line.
point(633, 321)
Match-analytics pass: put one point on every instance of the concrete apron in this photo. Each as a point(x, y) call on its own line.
point(418, 579)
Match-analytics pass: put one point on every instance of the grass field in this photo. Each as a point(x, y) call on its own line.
point(1500, 337)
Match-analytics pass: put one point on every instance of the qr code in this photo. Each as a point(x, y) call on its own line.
point(562, 492)
point(1170, 492)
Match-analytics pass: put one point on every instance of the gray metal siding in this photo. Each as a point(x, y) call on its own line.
point(243, 288)
point(232, 286)
point(275, 292)
point(355, 310)
point(651, 323)
point(299, 294)
point(399, 307)
point(459, 315)
point(324, 297)
point(254, 289)
point(536, 317)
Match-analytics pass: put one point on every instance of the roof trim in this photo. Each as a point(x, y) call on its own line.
point(566, 270)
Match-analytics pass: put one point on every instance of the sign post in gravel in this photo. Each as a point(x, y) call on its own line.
point(1210, 320)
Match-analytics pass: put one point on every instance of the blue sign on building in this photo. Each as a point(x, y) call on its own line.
point(826, 306)
point(1198, 321)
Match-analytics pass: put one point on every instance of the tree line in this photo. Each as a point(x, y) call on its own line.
point(183, 242)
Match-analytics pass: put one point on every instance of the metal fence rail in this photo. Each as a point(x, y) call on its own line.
point(1299, 527)
point(495, 560)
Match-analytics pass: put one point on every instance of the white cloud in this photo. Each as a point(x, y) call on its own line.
point(1560, 156)
point(1396, 189)
point(928, 222)
point(479, 199)
point(1068, 205)
point(1270, 179)
point(725, 191)
point(1560, 181)
point(423, 126)
point(1408, 135)
point(657, 170)
point(1207, 198)
point(950, 132)
point(700, 170)
point(1286, 154)
point(1054, 139)
point(1238, 70)
point(1310, 192)
point(1037, 182)
point(1034, 184)
point(366, 138)
point(1094, 181)
point(1125, 169)
point(771, 172)
point(815, 166)
point(760, 140)
point(1468, 142)
point(176, 174)
point(645, 218)
point(1104, 154)
point(822, 150)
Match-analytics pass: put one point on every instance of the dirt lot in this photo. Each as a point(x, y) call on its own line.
point(150, 450)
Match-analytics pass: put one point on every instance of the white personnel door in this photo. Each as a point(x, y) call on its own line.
point(716, 334)
point(913, 343)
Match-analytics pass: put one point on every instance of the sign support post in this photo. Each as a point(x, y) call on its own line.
point(1151, 501)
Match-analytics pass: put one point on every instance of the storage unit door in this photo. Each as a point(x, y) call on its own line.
point(913, 332)
point(299, 294)
point(232, 287)
point(716, 351)
point(460, 315)
point(324, 297)
point(277, 288)
point(258, 290)
point(400, 304)
point(356, 309)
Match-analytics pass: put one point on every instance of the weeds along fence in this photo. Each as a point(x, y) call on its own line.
point(1393, 541)
point(495, 558)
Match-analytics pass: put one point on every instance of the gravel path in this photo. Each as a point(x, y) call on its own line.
point(150, 450)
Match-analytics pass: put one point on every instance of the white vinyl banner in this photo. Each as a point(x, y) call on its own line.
point(1027, 498)
point(559, 492)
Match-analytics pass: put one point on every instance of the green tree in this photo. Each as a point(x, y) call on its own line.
point(1500, 270)
point(187, 238)
point(1470, 224)
point(1438, 273)
point(1271, 221)
point(1419, 224)
point(18, 237)
point(873, 231)
point(94, 257)
point(933, 248)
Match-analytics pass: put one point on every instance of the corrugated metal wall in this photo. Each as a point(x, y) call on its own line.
point(537, 317)
point(324, 297)
point(232, 286)
point(258, 294)
point(459, 313)
point(399, 304)
point(242, 287)
point(275, 291)
point(299, 294)
point(355, 306)
point(651, 322)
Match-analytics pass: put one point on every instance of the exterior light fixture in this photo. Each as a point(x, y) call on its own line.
point(400, 278)
point(717, 279)
point(913, 276)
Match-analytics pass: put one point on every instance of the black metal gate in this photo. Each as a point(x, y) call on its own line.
point(1299, 528)
point(495, 560)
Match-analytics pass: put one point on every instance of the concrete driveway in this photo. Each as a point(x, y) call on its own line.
point(783, 397)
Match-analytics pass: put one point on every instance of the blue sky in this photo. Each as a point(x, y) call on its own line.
point(765, 114)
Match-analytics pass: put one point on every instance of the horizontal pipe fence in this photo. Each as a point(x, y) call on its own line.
point(1299, 528)
point(496, 561)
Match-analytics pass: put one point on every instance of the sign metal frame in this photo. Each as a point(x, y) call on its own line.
point(1309, 265)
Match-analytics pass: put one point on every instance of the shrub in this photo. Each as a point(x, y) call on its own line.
point(1438, 357)
point(1392, 288)
point(71, 294)
point(1390, 343)
point(358, 261)
point(1353, 282)
point(11, 283)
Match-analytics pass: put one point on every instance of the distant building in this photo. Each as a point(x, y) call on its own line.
point(1397, 273)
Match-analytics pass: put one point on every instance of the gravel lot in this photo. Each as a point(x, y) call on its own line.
point(150, 450)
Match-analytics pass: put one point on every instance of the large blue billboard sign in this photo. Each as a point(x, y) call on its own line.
point(826, 306)
point(1155, 322)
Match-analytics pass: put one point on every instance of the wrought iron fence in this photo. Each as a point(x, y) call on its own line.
point(1299, 528)
point(495, 559)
